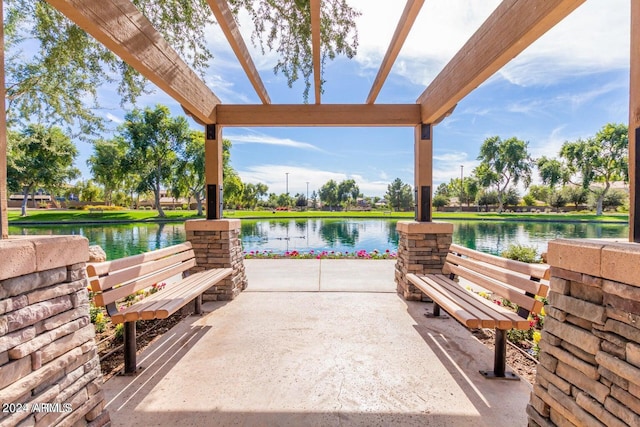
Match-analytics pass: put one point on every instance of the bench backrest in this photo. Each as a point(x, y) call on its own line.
point(516, 281)
point(117, 279)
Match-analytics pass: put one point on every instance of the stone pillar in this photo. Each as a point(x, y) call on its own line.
point(589, 371)
point(422, 249)
point(49, 366)
point(216, 244)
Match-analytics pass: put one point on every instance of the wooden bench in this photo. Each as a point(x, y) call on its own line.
point(112, 281)
point(516, 281)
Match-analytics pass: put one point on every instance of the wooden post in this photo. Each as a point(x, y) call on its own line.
point(213, 170)
point(634, 125)
point(4, 220)
point(423, 171)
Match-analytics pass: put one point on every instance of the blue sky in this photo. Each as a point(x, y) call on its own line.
point(566, 86)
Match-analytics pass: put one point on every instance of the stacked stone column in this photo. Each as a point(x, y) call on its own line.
point(589, 371)
point(49, 364)
point(216, 244)
point(422, 249)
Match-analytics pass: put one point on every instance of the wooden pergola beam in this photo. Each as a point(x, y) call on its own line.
point(319, 115)
point(123, 29)
point(634, 126)
point(405, 23)
point(509, 30)
point(227, 22)
point(4, 197)
point(315, 48)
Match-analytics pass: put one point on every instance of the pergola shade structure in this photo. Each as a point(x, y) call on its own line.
point(511, 28)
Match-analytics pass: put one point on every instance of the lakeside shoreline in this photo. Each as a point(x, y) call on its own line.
point(60, 217)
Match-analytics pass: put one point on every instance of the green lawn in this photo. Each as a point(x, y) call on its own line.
point(70, 216)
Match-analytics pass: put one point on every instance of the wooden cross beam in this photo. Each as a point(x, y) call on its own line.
point(407, 19)
point(123, 29)
point(318, 115)
point(634, 126)
point(315, 47)
point(510, 29)
point(220, 9)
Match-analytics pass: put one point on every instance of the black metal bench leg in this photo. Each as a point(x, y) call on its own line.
point(500, 359)
point(198, 305)
point(129, 348)
point(436, 310)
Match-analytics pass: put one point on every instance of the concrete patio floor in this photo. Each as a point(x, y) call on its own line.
point(316, 343)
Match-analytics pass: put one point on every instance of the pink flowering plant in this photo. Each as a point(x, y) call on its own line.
point(359, 254)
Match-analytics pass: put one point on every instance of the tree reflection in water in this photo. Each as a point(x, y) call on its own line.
point(340, 235)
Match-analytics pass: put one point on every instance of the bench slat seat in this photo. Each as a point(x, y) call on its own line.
point(113, 281)
point(516, 281)
point(471, 310)
point(164, 303)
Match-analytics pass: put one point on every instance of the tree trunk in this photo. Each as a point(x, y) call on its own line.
point(25, 197)
point(196, 194)
point(156, 195)
point(599, 205)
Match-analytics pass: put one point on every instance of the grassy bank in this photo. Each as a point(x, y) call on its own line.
point(73, 216)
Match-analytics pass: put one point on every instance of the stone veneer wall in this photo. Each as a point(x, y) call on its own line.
point(422, 249)
point(216, 244)
point(47, 350)
point(589, 371)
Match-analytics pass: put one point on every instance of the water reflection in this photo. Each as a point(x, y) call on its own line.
point(118, 240)
point(343, 235)
point(496, 236)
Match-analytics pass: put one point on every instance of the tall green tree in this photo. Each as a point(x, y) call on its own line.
point(503, 163)
point(54, 69)
point(153, 138)
point(107, 165)
point(602, 159)
point(252, 193)
point(285, 26)
point(575, 194)
point(329, 193)
point(40, 157)
point(399, 195)
point(348, 192)
point(189, 173)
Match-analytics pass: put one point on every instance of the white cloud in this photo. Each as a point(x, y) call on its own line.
point(113, 118)
point(259, 138)
point(593, 38)
point(446, 165)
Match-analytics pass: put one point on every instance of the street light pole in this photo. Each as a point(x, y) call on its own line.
point(461, 185)
point(287, 182)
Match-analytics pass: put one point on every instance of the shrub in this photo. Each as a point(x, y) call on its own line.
point(103, 207)
point(97, 318)
point(118, 331)
point(522, 253)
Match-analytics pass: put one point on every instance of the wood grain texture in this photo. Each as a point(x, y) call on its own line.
point(315, 49)
point(510, 29)
point(405, 23)
point(319, 115)
point(4, 207)
point(124, 30)
point(634, 123)
point(229, 27)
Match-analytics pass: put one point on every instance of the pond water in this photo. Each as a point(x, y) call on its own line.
point(339, 235)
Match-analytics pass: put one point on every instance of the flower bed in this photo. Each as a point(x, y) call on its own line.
point(528, 339)
point(361, 254)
